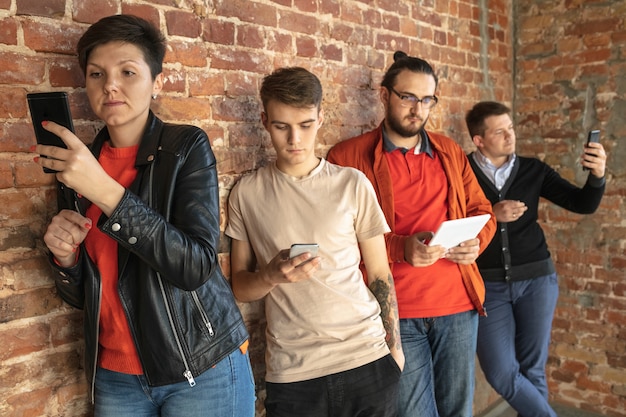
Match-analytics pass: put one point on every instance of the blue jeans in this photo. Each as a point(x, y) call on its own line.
point(438, 375)
point(513, 341)
point(367, 391)
point(226, 390)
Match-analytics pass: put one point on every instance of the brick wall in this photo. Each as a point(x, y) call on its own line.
point(218, 52)
point(570, 78)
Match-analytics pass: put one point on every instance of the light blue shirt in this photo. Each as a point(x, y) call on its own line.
point(498, 176)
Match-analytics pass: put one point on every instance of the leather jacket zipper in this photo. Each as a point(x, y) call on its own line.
point(187, 373)
point(205, 318)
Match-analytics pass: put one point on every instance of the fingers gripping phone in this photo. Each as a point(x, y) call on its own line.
point(592, 136)
point(54, 107)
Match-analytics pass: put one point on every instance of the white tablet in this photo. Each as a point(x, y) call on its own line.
point(453, 232)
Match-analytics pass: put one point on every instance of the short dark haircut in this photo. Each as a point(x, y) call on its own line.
point(402, 61)
point(129, 29)
point(294, 86)
point(475, 117)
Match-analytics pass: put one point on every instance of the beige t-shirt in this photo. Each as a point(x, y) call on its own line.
point(330, 323)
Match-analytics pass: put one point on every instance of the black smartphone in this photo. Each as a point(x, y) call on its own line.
point(592, 136)
point(54, 107)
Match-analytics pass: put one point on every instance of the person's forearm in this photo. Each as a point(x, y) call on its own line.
point(384, 291)
point(250, 286)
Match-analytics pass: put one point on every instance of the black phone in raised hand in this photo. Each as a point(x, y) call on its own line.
point(50, 106)
point(592, 136)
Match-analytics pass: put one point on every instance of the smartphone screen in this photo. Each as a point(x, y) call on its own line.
point(592, 136)
point(52, 106)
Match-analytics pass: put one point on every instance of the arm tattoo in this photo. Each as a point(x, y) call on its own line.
point(385, 293)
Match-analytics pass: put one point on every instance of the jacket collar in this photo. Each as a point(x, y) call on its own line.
point(148, 146)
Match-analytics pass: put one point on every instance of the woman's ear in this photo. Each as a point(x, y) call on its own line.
point(157, 86)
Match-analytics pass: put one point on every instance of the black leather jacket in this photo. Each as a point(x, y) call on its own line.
point(180, 308)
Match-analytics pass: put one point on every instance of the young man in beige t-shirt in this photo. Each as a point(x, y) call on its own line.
point(333, 346)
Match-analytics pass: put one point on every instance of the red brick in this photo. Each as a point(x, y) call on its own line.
point(248, 11)
point(280, 42)
point(65, 72)
point(180, 109)
point(223, 58)
point(373, 19)
point(391, 23)
point(183, 23)
point(29, 404)
point(145, 11)
point(174, 79)
point(17, 69)
point(206, 83)
point(298, 22)
point(22, 341)
point(30, 304)
point(331, 7)
point(90, 11)
point(184, 53)
point(306, 5)
point(51, 37)
point(8, 31)
point(238, 84)
point(248, 135)
point(332, 52)
point(234, 161)
point(231, 109)
point(55, 8)
point(250, 37)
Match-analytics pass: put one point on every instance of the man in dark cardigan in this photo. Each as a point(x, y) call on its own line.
point(520, 278)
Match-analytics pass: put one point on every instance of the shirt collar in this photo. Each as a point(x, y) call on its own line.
point(425, 146)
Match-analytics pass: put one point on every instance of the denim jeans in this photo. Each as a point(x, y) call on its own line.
point(367, 391)
point(513, 341)
point(226, 390)
point(438, 375)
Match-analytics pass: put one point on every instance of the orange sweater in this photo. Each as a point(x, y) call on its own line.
point(117, 347)
point(465, 196)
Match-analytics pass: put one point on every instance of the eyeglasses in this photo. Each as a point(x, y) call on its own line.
point(408, 100)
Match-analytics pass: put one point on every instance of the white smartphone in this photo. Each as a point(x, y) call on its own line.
point(300, 248)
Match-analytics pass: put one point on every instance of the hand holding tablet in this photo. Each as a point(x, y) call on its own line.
point(453, 232)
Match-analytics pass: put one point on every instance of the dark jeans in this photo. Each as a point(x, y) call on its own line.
point(513, 341)
point(367, 391)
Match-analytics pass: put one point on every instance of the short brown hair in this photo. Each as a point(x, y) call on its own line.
point(124, 28)
point(294, 86)
point(475, 118)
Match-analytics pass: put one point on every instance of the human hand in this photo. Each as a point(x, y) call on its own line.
point(65, 232)
point(283, 270)
point(398, 356)
point(465, 253)
point(417, 253)
point(79, 169)
point(594, 159)
point(509, 210)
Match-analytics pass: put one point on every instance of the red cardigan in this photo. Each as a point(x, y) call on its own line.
point(465, 196)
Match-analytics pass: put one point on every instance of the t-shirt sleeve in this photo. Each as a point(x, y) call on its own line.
point(236, 228)
point(370, 221)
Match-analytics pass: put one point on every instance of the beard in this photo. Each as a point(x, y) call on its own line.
point(395, 124)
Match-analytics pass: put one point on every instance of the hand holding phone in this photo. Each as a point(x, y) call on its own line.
point(592, 136)
point(54, 107)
